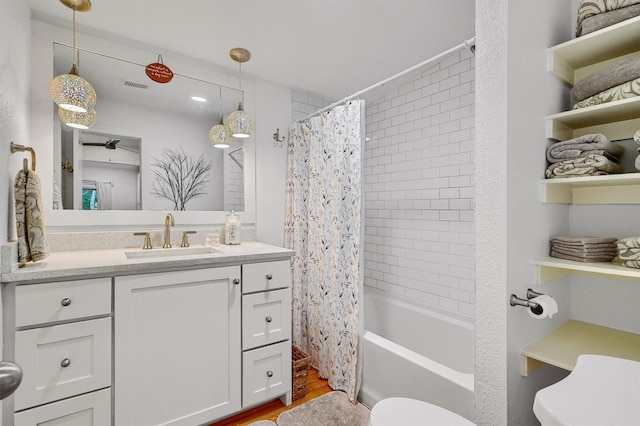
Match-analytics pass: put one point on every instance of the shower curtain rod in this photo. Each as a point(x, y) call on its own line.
point(467, 44)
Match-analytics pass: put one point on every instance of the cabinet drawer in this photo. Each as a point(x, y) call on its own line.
point(266, 276)
point(266, 373)
point(266, 318)
point(63, 361)
point(92, 409)
point(66, 300)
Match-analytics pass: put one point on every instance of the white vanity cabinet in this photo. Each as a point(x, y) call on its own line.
point(177, 347)
point(62, 340)
point(266, 332)
point(178, 341)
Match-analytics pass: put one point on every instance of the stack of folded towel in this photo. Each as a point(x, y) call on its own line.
point(597, 14)
point(584, 249)
point(588, 155)
point(620, 80)
point(629, 251)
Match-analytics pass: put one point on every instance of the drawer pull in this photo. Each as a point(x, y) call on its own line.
point(269, 373)
point(236, 281)
point(65, 302)
point(65, 363)
point(268, 319)
point(269, 276)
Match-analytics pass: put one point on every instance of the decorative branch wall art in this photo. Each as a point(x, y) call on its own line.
point(178, 177)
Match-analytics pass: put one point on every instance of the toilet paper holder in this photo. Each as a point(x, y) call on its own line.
point(535, 307)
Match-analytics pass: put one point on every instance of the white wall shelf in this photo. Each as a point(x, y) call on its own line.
point(562, 346)
point(551, 268)
point(577, 58)
point(608, 189)
point(617, 120)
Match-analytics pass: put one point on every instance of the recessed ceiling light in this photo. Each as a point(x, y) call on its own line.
point(198, 99)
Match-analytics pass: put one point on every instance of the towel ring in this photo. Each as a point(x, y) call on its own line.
point(21, 148)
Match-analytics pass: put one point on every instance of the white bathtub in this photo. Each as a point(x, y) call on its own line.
point(416, 351)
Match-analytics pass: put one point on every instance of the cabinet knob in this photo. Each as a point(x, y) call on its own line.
point(269, 373)
point(65, 302)
point(269, 276)
point(65, 363)
point(268, 319)
point(236, 281)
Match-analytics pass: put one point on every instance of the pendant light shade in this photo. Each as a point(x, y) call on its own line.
point(220, 136)
point(240, 123)
point(77, 119)
point(70, 91)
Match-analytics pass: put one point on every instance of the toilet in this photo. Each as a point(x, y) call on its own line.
point(411, 412)
point(601, 390)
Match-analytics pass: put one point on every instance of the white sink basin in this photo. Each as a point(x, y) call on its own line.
point(170, 252)
point(601, 390)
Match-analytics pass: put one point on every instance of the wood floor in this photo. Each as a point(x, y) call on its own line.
point(270, 411)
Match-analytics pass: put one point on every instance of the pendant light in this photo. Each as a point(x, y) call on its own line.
point(70, 91)
point(219, 135)
point(77, 119)
point(240, 123)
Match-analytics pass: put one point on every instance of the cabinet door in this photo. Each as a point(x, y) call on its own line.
point(266, 373)
point(266, 318)
point(92, 409)
point(177, 347)
point(63, 361)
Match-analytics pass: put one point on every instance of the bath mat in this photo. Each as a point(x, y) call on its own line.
point(333, 408)
point(262, 423)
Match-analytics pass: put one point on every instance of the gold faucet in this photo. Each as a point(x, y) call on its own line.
point(168, 221)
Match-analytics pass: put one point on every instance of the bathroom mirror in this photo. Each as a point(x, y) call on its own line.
point(149, 146)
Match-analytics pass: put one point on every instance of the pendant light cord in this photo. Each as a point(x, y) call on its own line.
point(220, 97)
point(240, 83)
point(75, 50)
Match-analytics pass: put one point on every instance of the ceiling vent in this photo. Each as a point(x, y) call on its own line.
point(136, 84)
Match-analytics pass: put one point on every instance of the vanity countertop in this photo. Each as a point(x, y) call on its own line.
point(106, 263)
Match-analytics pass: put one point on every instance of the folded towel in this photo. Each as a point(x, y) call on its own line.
point(626, 90)
point(585, 247)
point(581, 259)
point(32, 241)
point(583, 241)
point(637, 162)
point(590, 165)
point(614, 75)
point(606, 19)
point(594, 7)
point(579, 147)
point(631, 264)
point(611, 252)
point(629, 248)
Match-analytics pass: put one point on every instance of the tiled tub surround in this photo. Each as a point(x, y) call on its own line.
point(63, 315)
point(419, 187)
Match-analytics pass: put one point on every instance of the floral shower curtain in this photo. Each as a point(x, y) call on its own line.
point(322, 225)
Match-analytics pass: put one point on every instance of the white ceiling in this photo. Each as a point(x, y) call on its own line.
point(331, 48)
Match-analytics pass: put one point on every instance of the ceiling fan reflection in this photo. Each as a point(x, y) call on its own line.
point(110, 144)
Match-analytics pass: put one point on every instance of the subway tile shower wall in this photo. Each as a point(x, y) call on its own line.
point(419, 187)
point(418, 178)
